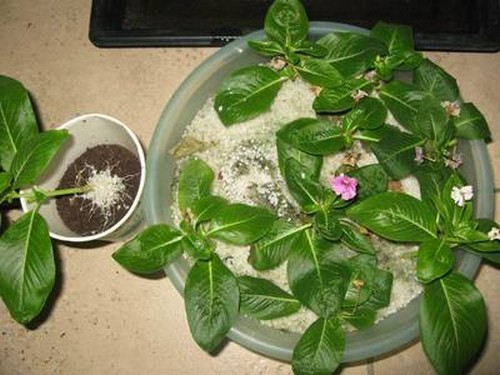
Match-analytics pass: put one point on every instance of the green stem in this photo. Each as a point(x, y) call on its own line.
point(37, 195)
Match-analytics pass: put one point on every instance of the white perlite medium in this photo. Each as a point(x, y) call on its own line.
point(244, 160)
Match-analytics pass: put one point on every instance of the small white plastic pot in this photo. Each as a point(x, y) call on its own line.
point(85, 132)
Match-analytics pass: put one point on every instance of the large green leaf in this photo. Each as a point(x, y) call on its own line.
point(396, 216)
point(150, 250)
point(205, 208)
point(432, 122)
point(35, 155)
point(403, 101)
point(309, 164)
point(369, 113)
point(354, 240)
point(261, 299)
point(361, 280)
point(17, 119)
point(395, 151)
point(5, 180)
point(397, 38)
point(351, 53)
point(327, 222)
point(286, 22)
point(195, 182)
point(27, 269)
point(372, 179)
point(273, 249)
point(247, 93)
point(313, 136)
point(240, 224)
point(433, 79)
point(452, 323)
point(308, 193)
point(316, 280)
point(490, 246)
point(340, 98)
point(471, 124)
point(435, 259)
point(266, 47)
point(319, 72)
point(320, 349)
point(211, 297)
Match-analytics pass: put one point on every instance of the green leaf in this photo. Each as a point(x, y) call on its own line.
point(35, 155)
point(327, 222)
point(211, 297)
point(361, 280)
point(397, 38)
point(403, 101)
point(195, 243)
point(433, 79)
point(319, 72)
point(315, 279)
point(17, 119)
point(206, 208)
point(372, 180)
point(266, 47)
point(195, 182)
point(27, 268)
point(309, 164)
point(308, 193)
point(263, 300)
point(240, 224)
point(320, 349)
point(340, 98)
point(5, 180)
point(381, 289)
point(313, 136)
point(151, 250)
point(286, 22)
point(395, 151)
point(356, 241)
point(431, 122)
point(396, 216)
point(247, 93)
point(310, 48)
point(485, 225)
point(471, 124)
point(452, 323)
point(351, 53)
point(435, 259)
point(361, 317)
point(273, 249)
point(369, 113)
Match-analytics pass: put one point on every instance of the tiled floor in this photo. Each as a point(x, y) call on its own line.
point(104, 319)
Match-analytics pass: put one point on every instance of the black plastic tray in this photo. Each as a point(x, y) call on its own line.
point(452, 25)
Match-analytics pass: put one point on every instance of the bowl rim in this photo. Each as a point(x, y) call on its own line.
point(242, 332)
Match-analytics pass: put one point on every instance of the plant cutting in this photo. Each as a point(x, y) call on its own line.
point(27, 266)
point(324, 218)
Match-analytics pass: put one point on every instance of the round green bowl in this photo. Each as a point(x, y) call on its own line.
point(390, 334)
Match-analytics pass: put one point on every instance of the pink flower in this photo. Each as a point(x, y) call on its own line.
point(344, 186)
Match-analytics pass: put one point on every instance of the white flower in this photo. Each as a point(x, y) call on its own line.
point(358, 95)
point(494, 234)
point(460, 195)
point(452, 108)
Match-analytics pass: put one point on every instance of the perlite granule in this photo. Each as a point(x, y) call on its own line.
point(244, 160)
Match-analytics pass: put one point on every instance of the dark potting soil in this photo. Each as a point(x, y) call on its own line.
point(82, 215)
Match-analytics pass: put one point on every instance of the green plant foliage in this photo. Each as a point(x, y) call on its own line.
point(396, 216)
point(27, 269)
point(261, 299)
point(272, 250)
point(211, 297)
point(320, 349)
point(247, 93)
point(452, 323)
point(240, 224)
point(195, 182)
